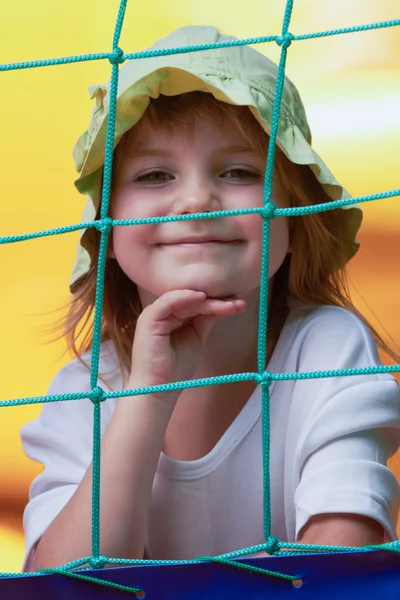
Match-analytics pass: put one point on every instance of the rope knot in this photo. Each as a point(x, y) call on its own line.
point(98, 562)
point(104, 225)
point(97, 395)
point(117, 57)
point(268, 212)
point(264, 379)
point(272, 545)
point(285, 40)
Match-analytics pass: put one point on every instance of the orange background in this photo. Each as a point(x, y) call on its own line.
point(351, 88)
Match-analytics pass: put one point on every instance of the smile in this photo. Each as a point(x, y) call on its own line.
point(205, 243)
point(199, 240)
point(201, 244)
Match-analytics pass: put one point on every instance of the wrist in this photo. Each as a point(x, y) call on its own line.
point(168, 398)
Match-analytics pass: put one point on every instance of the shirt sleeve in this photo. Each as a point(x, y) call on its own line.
point(343, 428)
point(61, 439)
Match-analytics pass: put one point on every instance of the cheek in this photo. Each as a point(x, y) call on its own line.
point(279, 242)
point(130, 203)
point(131, 250)
point(126, 207)
point(250, 227)
point(278, 239)
point(125, 238)
point(280, 230)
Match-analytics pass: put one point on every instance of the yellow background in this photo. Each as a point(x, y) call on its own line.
point(350, 85)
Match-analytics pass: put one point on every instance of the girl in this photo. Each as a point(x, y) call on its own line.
point(181, 473)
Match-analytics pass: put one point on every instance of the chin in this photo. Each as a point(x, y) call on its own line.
point(213, 287)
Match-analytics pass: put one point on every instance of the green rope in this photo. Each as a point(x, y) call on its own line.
point(115, 60)
point(269, 212)
point(263, 378)
point(111, 584)
point(51, 62)
point(265, 382)
point(97, 393)
point(249, 568)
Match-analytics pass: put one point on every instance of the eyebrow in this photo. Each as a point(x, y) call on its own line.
point(147, 151)
point(236, 149)
point(164, 152)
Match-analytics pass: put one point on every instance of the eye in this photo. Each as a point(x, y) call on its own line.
point(241, 174)
point(154, 177)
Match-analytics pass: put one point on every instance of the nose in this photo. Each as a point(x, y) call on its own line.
point(196, 196)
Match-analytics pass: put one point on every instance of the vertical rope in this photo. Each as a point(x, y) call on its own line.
point(105, 228)
point(284, 41)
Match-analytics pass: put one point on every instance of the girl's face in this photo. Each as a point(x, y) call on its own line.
point(212, 169)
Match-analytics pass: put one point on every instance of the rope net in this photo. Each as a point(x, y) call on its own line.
point(262, 377)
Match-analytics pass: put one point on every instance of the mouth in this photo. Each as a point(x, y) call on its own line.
point(209, 246)
point(205, 241)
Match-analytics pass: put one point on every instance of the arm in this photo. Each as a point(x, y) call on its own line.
point(129, 458)
point(344, 493)
point(169, 337)
point(337, 529)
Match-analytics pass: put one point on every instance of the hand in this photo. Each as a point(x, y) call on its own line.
point(171, 333)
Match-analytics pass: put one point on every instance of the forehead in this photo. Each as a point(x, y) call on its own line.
point(195, 117)
point(212, 129)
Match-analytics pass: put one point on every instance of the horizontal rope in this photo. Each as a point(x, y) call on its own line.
point(242, 553)
point(223, 379)
point(51, 62)
point(107, 223)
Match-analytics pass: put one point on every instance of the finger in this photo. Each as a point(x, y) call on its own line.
point(211, 306)
point(186, 304)
point(172, 302)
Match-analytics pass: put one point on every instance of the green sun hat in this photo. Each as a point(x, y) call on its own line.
point(237, 75)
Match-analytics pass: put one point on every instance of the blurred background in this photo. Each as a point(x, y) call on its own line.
point(350, 85)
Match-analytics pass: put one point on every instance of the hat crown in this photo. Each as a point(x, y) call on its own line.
point(234, 62)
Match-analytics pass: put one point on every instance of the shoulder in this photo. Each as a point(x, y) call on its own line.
point(331, 320)
point(75, 375)
point(327, 405)
point(71, 417)
point(331, 337)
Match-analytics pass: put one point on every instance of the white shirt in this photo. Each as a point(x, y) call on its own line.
point(330, 439)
